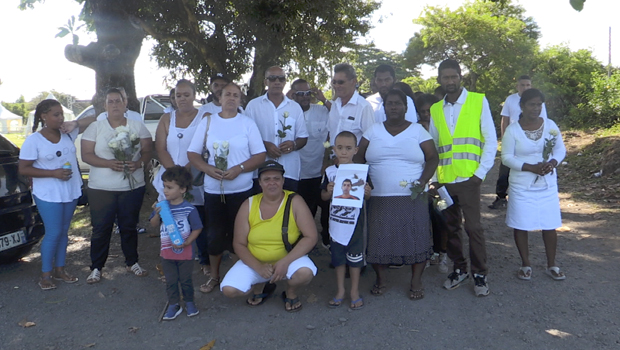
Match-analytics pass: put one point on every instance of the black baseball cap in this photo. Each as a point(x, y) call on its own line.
point(270, 165)
point(220, 76)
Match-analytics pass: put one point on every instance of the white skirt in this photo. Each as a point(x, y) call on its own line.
point(532, 210)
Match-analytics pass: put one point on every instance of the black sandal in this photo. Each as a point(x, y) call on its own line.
point(268, 290)
point(291, 302)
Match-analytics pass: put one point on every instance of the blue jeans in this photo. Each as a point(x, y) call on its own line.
point(105, 207)
point(56, 219)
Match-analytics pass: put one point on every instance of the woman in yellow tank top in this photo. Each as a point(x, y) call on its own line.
point(258, 242)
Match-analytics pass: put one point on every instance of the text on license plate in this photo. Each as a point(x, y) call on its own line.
point(11, 240)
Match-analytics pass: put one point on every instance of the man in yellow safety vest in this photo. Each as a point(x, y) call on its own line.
point(464, 134)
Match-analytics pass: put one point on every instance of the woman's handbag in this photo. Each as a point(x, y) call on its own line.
point(199, 178)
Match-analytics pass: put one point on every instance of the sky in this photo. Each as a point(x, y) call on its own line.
point(32, 60)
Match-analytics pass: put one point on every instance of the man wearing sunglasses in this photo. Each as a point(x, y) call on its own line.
point(281, 125)
point(384, 80)
point(316, 117)
point(350, 112)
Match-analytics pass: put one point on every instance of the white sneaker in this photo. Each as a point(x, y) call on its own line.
point(481, 287)
point(94, 277)
point(443, 263)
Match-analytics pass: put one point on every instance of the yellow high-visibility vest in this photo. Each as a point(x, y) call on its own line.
point(459, 154)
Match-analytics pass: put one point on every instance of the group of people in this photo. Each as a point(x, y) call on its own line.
point(231, 177)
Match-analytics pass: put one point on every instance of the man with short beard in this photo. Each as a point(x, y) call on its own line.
point(384, 80)
point(464, 134)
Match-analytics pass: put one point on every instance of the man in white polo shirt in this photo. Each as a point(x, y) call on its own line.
point(384, 80)
point(281, 125)
point(510, 114)
point(350, 112)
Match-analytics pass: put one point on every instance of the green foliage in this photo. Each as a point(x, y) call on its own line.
point(19, 108)
point(70, 28)
point(426, 86)
point(367, 57)
point(493, 41)
point(565, 77)
point(601, 106)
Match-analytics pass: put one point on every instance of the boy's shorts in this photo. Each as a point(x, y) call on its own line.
point(353, 253)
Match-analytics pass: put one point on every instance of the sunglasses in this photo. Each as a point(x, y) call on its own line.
point(281, 78)
point(338, 82)
point(303, 93)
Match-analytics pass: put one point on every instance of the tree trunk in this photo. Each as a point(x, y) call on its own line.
point(113, 56)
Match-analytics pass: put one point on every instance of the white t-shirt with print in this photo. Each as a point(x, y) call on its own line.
point(244, 141)
point(105, 178)
point(393, 159)
point(51, 156)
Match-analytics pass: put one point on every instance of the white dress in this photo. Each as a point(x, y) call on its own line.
point(533, 200)
point(177, 143)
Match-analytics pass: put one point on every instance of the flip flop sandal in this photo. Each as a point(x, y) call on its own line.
point(67, 278)
point(291, 302)
point(334, 303)
point(46, 283)
point(416, 294)
point(555, 273)
point(268, 290)
point(210, 285)
point(377, 290)
point(525, 273)
point(359, 307)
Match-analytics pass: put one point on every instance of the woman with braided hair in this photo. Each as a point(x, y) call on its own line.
point(48, 156)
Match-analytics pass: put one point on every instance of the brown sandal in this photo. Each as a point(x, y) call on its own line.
point(210, 285)
point(416, 294)
point(46, 283)
point(65, 277)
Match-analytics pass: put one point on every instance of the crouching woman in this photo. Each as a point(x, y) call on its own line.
point(259, 243)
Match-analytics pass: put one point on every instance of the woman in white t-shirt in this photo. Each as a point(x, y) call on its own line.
point(115, 188)
point(533, 202)
point(398, 227)
point(174, 134)
point(235, 138)
point(48, 156)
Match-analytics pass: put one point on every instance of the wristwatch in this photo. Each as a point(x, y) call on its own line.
point(242, 167)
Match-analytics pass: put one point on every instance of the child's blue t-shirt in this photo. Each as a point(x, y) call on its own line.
point(187, 219)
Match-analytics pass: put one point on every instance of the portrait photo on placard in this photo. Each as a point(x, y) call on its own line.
point(349, 185)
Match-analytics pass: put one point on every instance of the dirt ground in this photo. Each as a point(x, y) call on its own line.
point(122, 311)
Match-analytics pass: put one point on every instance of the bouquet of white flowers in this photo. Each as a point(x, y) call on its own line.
point(221, 162)
point(124, 145)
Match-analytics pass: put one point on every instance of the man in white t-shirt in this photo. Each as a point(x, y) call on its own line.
point(350, 111)
point(218, 81)
point(384, 80)
point(281, 125)
point(316, 117)
point(510, 114)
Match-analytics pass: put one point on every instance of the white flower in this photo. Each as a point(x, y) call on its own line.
point(553, 132)
point(403, 184)
point(285, 115)
point(225, 144)
point(216, 145)
point(326, 144)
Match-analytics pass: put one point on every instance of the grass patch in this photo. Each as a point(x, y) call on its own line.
point(17, 139)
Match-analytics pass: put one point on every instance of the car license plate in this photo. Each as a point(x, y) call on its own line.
point(11, 240)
